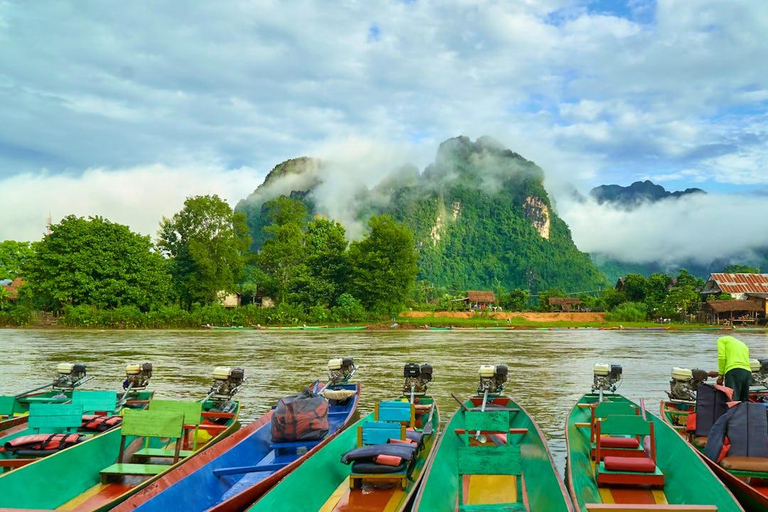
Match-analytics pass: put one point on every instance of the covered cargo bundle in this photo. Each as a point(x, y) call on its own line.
point(303, 417)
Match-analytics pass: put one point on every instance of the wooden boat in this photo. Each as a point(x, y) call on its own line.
point(286, 328)
point(492, 457)
point(511, 470)
point(103, 471)
point(240, 469)
point(672, 476)
point(51, 426)
point(749, 487)
point(325, 484)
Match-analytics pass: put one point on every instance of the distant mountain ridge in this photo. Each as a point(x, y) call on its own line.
point(480, 214)
point(636, 194)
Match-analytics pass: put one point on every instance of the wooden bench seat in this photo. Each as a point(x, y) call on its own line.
point(124, 469)
point(753, 464)
point(623, 507)
point(161, 452)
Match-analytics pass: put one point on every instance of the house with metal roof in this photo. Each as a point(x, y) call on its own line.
point(738, 286)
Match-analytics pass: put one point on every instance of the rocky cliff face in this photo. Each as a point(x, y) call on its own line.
point(480, 215)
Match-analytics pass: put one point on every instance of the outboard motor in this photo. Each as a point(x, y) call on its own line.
point(340, 370)
point(684, 383)
point(69, 376)
point(417, 378)
point(226, 382)
point(492, 378)
point(607, 378)
point(137, 376)
point(759, 372)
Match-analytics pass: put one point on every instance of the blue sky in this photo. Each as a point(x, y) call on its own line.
point(125, 108)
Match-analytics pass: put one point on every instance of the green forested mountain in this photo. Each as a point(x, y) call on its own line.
point(480, 215)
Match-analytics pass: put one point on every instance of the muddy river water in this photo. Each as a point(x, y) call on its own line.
point(549, 370)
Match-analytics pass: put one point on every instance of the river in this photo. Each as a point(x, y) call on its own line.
point(549, 370)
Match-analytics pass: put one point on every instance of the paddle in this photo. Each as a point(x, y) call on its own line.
point(427, 430)
point(461, 402)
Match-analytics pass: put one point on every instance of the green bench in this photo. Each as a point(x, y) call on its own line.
point(192, 412)
point(55, 418)
point(627, 426)
point(147, 424)
point(495, 459)
point(96, 401)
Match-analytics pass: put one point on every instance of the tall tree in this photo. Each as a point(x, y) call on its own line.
point(13, 255)
point(207, 244)
point(282, 255)
point(326, 252)
point(97, 262)
point(383, 265)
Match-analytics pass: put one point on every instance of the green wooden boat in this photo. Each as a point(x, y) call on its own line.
point(509, 468)
point(325, 484)
point(50, 426)
point(101, 472)
point(643, 464)
point(286, 328)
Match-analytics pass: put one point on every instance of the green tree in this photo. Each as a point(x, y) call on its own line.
point(283, 254)
point(740, 269)
point(383, 266)
point(326, 259)
point(95, 262)
point(207, 245)
point(517, 300)
point(635, 287)
point(13, 256)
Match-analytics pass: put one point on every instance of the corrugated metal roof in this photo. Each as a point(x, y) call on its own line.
point(741, 283)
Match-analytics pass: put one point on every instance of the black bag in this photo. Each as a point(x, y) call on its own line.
point(303, 417)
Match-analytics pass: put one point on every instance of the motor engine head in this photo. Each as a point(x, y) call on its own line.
point(226, 382)
point(684, 383)
point(137, 375)
point(492, 378)
point(417, 378)
point(68, 375)
point(759, 372)
point(607, 377)
point(340, 369)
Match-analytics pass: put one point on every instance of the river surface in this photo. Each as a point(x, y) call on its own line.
point(549, 370)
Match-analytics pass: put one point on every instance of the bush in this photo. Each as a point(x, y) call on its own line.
point(349, 309)
point(15, 316)
point(628, 312)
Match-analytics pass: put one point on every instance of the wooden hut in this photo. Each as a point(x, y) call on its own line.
point(738, 286)
point(12, 289)
point(480, 299)
point(730, 312)
point(564, 303)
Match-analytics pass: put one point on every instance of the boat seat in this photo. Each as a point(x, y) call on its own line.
point(700, 441)
point(295, 445)
point(494, 507)
point(757, 464)
point(416, 437)
point(619, 442)
point(123, 469)
point(161, 452)
point(629, 471)
point(373, 468)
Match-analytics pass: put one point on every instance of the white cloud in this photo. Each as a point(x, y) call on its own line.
point(138, 197)
point(698, 227)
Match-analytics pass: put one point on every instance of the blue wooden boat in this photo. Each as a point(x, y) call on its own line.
point(240, 469)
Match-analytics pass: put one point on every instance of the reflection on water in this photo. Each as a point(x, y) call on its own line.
point(549, 370)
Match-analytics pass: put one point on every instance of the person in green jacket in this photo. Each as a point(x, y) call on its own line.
point(733, 365)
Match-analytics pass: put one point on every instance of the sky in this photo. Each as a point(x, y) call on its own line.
point(123, 109)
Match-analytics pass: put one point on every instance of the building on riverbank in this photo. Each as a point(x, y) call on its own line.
point(479, 300)
point(565, 304)
point(748, 311)
point(738, 286)
point(12, 289)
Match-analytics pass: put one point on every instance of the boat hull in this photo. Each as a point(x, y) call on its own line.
point(322, 483)
point(677, 460)
point(750, 497)
point(194, 486)
point(544, 489)
point(71, 478)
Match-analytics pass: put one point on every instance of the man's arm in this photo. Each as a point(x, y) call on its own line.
point(721, 356)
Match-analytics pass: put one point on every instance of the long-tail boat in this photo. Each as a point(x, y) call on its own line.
point(103, 471)
point(621, 457)
point(375, 465)
point(14, 408)
point(746, 477)
point(492, 457)
point(240, 469)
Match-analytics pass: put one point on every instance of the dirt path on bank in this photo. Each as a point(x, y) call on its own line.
point(531, 317)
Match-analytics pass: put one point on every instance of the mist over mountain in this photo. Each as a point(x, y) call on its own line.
point(637, 193)
point(480, 214)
